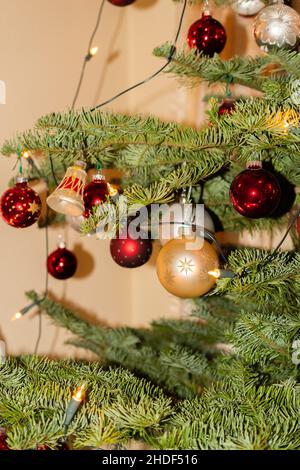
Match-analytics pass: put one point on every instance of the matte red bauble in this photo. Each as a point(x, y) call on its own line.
point(62, 263)
point(20, 206)
point(95, 193)
point(130, 253)
point(227, 107)
point(255, 193)
point(207, 35)
point(121, 3)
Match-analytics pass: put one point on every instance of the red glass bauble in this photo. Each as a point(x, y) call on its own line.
point(255, 193)
point(62, 263)
point(20, 206)
point(227, 107)
point(95, 193)
point(207, 35)
point(3, 443)
point(42, 447)
point(130, 253)
point(121, 3)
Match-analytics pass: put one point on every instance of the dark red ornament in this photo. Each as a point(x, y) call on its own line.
point(42, 447)
point(121, 3)
point(3, 437)
point(62, 263)
point(207, 35)
point(255, 193)
point(227, 107)
point(95, 193)
point(20, 206)
point(130, 253)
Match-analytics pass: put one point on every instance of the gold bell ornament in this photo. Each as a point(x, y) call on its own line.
point(67, 198)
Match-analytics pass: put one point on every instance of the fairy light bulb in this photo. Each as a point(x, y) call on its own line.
point(74, 403)
point(16, 316)
point(93, 51)
point(79, 393)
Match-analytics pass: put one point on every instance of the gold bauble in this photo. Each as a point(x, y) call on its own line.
point(183, 267)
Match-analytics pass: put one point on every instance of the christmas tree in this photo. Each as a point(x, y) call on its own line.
point(228, 376)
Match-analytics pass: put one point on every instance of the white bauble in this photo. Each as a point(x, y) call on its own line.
point(248, 7)
point(277, 26)
point(75, 223)
point(180, 225)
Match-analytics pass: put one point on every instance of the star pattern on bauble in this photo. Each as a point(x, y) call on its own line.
point(186, 266)
point(33, 207)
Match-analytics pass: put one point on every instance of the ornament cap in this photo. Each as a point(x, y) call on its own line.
point(254, 165)
point(80, 163)
point(60, 242)
point(21, 179)
point(98, 177)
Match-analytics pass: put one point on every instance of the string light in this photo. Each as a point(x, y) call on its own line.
point(73, 405)
point(222, 273)
point(155, 74)
point(92, 52)
point(25, 310)
point(113, 191)
point(283, 120)
point(25, 154)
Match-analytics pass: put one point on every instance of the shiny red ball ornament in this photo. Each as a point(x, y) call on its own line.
point(207, 35)
point(62, 263)
point(227, 107)
point(20, 206)
point(95, 193)
point(3, 437)
point(255, 193)
point(130, 253)
point(121, 3)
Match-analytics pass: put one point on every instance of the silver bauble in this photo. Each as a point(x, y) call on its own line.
point(180, 225)
point(248, 7)
point(277, 26)
point(75, 223)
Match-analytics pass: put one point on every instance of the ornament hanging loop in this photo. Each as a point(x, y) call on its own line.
point(228, 80)
point(19, 155)
point(206, 9)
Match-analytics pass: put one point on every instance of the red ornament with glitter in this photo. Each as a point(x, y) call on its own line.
point(121, 3)
point(62, 263)
point(95, 193)
point(255, 192)
point(207, 35)
point(227, 107)
point(130, 253)
point(20, 206)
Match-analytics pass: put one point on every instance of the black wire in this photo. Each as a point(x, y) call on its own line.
point(52, 170)
point(146, 80)
point(87, 57)
point(290, 226)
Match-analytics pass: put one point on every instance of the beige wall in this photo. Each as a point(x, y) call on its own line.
point(42, 46)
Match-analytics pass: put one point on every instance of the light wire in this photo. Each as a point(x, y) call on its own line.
point(88, 56)
point(161, 69)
